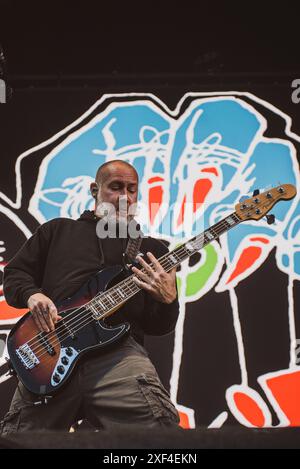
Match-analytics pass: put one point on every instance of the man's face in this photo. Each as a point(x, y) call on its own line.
point(118, 181)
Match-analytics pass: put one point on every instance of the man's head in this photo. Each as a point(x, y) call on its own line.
point(115, 180)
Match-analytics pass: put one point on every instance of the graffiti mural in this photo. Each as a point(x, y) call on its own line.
point(195, 162)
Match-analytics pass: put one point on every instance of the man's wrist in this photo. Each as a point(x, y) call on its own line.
point(29, 293)
point(170, 300)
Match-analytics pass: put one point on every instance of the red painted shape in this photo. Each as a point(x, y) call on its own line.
point(8, 312)
point(155, 201)
point(210, 170)
point(205, 186)
point(155, 179)
point(201, 189)
point(263, 240)
point(246, 260)
point(286, 390)
point(181, 213)
point(250, 409)
point(184, 420)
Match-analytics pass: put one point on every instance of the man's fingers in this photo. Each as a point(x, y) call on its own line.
point(142, 284)
point(140, 274)
point(145, 264)
point(48, 319)
point(44, 312)
point(157, 264)
point(40, 320)
point(50, 315)
point(46, 316)
point(54, 314)
point(37, 321)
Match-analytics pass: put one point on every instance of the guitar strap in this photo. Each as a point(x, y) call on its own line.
point(133, 246)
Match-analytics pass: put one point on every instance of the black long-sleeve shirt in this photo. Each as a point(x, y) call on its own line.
point(63, 254)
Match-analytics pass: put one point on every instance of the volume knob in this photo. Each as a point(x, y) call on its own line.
point(56, 378)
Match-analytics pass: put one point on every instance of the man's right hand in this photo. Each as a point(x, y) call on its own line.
point(44, 312)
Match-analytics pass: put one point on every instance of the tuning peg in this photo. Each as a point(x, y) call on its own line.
point(255, 192)
point(270, 219)
point(244, 197)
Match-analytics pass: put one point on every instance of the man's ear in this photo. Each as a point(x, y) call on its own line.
point(94, 189)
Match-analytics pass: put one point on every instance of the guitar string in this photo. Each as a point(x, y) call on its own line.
point(87, 312)
point(93, 302)
point(234, 215)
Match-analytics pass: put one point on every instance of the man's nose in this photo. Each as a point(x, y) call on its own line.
point(125, 193)
point(123, 200)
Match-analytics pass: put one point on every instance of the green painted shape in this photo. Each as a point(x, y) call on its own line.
point(179, 285)
point(198, 279)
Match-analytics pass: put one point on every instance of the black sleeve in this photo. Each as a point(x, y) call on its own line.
point(23, 275)
point(159, 318)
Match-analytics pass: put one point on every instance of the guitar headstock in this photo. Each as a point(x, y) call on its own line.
point(259, 205)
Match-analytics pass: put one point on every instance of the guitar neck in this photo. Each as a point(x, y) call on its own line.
point(110, 300)
point(184, 251)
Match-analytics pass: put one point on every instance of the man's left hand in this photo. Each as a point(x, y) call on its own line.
point(160, 284)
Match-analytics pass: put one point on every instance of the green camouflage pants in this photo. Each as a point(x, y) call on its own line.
point(118, 386)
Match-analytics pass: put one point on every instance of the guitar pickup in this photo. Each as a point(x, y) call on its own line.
point(68, 329)
point(46, 344)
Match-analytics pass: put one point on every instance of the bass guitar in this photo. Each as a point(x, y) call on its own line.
point(44, 361)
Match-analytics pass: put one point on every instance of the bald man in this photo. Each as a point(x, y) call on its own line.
point(114, 386)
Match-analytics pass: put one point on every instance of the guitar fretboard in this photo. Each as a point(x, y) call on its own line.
point(112, 298)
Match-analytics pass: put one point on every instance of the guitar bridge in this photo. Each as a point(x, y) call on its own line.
point(27, 357)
